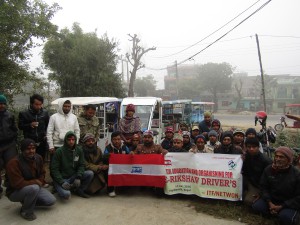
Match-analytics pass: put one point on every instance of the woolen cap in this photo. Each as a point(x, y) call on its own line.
point(251, 131)
point(212, 133)
point(130, 107)
point(3, 99)
point(178, 136)
point(200, 137)
point(26, 142)
point(169, 129)
point(287, 152)
point(87, 137)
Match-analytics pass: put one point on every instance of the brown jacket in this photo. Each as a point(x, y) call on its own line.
point(153, 149)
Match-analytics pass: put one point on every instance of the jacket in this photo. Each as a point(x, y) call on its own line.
point(59, 125)
point(67, 162)
point(112, 149)
point(88, 126)
point(8, 129)
point(38, 134)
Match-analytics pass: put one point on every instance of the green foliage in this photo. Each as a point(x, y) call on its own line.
point(145, 86)
point(83, 64)
point(22, 22)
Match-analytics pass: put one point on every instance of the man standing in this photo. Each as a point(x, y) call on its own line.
point(34, 122)
point(205, 125)
point(26, 177)
point(68, 169)
point(88, 122)
point(60, 123)
point(8, 136)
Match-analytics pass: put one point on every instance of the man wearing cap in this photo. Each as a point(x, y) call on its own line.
point(227, 146)
point(251, 133)
point(195, 133)
point(205, 125)
point(200, 142)
point(88, 122)
point(34, 122)
point(280, 188)
point(167, 142)
point(212, 141)
point(26, 177)
point(68, 169)
point(253, 166)
point(148, 146)
point(177, 144)
point(129, 125)
point(8, 136)
point(239, 138)
point(216, 126)
point(187, 144)
point(94, 162)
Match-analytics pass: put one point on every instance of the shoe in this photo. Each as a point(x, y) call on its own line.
point(112, 194)
point(81, 194)
point(46, 185)
point(28, 216)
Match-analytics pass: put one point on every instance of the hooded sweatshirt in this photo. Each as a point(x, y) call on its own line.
point(67, 162)
point(60, 124)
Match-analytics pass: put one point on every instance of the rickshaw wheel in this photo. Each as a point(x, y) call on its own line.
point(278, 127)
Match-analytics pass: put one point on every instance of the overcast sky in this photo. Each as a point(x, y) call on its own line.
point(174, 25)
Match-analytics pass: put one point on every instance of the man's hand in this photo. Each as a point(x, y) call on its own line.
point(76, 183)
point(66, 185)
point(274, 209)
point(51, 150)
point(38, 182)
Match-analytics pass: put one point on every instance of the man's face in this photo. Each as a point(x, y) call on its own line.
point(29, 152)
point(117, 141)
point(238, 138)
point(226, 141)
point(186, 139)
point(195, 132)
point(66, 108)
point(215, 127)
point(207, 119)
point(212, 139)
point(90, 142)
point(177, 144)
point(252, 149)
point(251, 135)
point(148, 139)
point(71, 141)
point(129, 113)
point(37, 105)
point(2, 107)
point(200, 143)
point(169, 135)
point(280, 159)
point(135, 141)
point(89, 113)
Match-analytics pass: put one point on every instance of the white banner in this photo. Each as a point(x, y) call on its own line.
point(206, 175)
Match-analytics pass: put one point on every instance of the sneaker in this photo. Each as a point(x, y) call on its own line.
point(112, 194)
point(81, 194)
point(28, 216)
point(46, 185)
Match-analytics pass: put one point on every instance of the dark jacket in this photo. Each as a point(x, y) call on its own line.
point(8, 129)
point(167, 144)
point(253, 168)
point(112, 149)
point(231, 149)
point(281, 187)
point(67, 162)
point(38, 134)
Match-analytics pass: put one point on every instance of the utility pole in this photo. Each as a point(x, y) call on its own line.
point(176, 74)
point(262, 75)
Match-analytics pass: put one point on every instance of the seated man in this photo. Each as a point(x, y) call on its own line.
point(212, 141)
point(227, 146)
point(94, 162)
point(68, 169)
point(187, 144)
point(26, 177)
point(253, 167)
point(280, 188)
point(177, 144)
point(167, 142)
point(148, 146)
point(239, 138)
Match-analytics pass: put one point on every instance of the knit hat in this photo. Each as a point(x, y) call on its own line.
point(216, 122)
point(186, 133)
point(130, 107)
point(212, 133)
point(148, 132)
point(238, 131)
point(200, 137)
point(87, 137)
point(178, 136)
point(207, 113)
point(252, 141)
point(227, 134)
point(3, 99)
point(169, 129)
point(25, 143)
point(195, 128)
point(250, 131)
point(287, 152)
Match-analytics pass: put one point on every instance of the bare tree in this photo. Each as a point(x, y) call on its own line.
point(134, 58)
point(238, 85)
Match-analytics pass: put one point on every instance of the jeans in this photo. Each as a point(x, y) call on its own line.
point(31, 196)
point(285, 215)
point(86, 179)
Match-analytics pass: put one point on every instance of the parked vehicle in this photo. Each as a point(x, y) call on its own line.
point(149, 110)
point(291, 111)
point(107, 111)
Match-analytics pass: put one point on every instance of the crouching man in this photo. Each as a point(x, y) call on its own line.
point(26, 177)
point(68, 169)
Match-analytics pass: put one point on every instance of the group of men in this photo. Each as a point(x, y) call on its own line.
point(79, 166)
